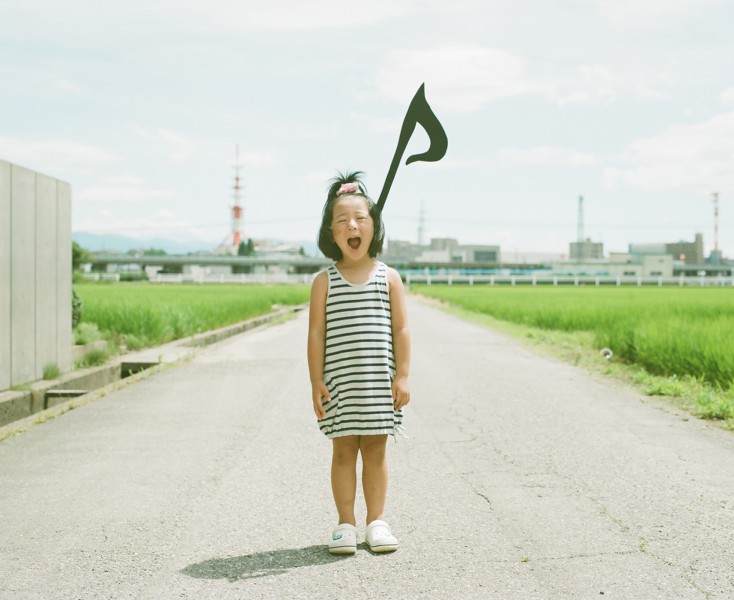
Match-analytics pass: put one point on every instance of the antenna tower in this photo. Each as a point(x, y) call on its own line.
point(236, 207)
point(716, 220)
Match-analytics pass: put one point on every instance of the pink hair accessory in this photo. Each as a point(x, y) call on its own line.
point(348, 188)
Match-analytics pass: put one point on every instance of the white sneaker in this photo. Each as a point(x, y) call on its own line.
point(379, 538)
point(343, 539)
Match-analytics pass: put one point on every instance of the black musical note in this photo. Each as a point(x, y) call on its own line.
point(418, 112)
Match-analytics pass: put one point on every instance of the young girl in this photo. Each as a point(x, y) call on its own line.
point(358, 358)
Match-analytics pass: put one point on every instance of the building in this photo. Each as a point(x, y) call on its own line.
point(440, 250)
point(619, 265)
point(690, 253)
point(586, 250)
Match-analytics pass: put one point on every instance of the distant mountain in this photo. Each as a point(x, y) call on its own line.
point(120, 243)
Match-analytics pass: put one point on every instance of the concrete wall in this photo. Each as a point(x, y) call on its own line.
point(35, 274)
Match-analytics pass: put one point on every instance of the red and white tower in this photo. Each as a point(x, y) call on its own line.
point(236, 207)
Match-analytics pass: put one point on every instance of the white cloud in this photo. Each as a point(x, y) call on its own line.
point(177, 146)
point(697, 157)
point(510, 156)
point(459, 77)
point(655, 13)
point(596, 84)
point(55, 156)
point(543, 155)
point(125, 189)
point(465, 78)
point(222, 16)
point(162, 223)
point(318, 177)
point(727, 96)
point(260, 158)
point(378, 124)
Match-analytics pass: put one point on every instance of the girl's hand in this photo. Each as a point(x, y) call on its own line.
point(320, 395)
point(400, 392)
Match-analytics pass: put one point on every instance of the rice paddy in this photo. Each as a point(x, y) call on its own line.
point(140, 315)
point(678, 332)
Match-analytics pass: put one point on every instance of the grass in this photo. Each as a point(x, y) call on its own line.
point(670, 342)
point(140, 315)
point(51, 371)
point(93, 358)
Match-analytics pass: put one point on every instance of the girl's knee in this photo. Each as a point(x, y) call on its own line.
point(373, 448)
point(345, 450)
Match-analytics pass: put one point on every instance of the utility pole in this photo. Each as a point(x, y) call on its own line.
point(716, 220)
point(421, 224)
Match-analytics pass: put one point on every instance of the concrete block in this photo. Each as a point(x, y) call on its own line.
point(46, 271)
point(89, 379)
point(22, 278)
point(5, 355)
point(14, 406)
point(64, 339)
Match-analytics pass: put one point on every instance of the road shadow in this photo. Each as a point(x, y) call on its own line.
point(261, 564)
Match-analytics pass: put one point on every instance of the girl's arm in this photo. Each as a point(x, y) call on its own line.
point(317, 342)
point(400, 340)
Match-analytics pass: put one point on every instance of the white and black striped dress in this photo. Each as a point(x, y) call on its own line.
point(359, 364)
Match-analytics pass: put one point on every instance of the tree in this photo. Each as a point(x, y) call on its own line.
point(79, 256)
point(247, 249)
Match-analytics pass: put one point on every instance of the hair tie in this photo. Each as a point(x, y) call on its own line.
point(348, 188)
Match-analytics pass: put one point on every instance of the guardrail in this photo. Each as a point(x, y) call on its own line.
point(575, 280)
point(102, 276)
point(260, 278)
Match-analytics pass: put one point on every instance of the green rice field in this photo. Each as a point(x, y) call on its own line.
point(679, 332)
point(143, 314)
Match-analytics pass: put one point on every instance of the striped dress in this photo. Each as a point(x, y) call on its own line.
point(359, 364)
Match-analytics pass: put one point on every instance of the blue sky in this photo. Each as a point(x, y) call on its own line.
point(139, 105)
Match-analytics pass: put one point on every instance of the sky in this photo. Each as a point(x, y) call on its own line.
point(140, 106)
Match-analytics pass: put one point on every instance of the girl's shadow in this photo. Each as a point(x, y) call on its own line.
point(261, 564)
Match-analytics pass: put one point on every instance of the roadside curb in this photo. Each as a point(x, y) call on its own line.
point(148, 362)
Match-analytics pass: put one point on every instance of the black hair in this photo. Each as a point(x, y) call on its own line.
point(327, 245)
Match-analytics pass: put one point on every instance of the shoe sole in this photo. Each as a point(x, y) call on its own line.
point(343, 550)
point(386, 548)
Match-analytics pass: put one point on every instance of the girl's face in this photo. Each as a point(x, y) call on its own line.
point(352, 227)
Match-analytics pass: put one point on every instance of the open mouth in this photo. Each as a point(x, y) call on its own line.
point(354, 242)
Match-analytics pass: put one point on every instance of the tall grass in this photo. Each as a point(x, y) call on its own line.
point(668, 331)
point(143, 314)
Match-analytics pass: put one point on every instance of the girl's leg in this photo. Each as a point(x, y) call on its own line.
point(344, 476)
point(374, 474)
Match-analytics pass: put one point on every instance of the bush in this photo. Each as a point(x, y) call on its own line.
point(76, 309)
point(86, 333)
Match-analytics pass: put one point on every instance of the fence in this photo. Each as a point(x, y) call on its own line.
point(270, 278)
point(579, 280)
point(35, 274)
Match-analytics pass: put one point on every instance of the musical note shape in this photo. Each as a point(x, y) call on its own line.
point(418, 112)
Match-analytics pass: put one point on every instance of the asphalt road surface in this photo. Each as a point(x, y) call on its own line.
point(523, 477)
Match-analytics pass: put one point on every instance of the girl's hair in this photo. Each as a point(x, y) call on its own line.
point(327, 245)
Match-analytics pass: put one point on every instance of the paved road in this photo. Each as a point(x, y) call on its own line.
point(523, 478)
